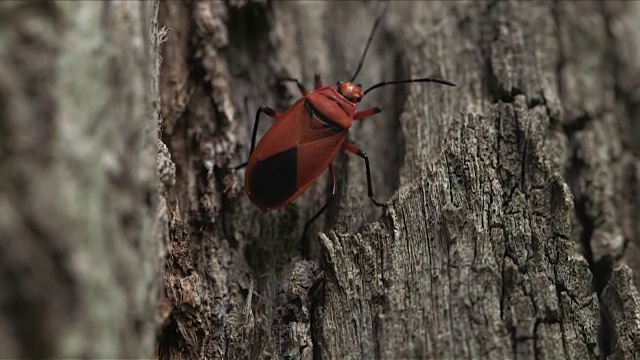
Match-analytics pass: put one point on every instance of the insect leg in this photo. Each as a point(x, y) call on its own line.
point(317, 81)
point(332, 196)
point(301, 87)
point(263, 109)
point(353, 148)
point(361, 115)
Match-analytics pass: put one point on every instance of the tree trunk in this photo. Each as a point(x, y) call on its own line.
point(510, 217)
point(79, 247)
point(514, 198)
point(512, 227)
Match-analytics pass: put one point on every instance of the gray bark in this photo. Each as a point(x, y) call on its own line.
point(79, 245)
point(517, 191)
point(514, 198)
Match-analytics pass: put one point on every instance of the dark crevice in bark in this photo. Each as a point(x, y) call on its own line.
point(613, 62)
point(600, 269)
point(627, 103)
point(631, 103)
point(24, 309)
point(603, 268)
point(514, 340)
point(249, 26)
point(490, 80)
point(523, 142)
point(200, 218)
point(249, 44)
point(560, 289)
point(377, 326)
point(400, 94)
point(169, 339)
point(315, 312)
point(561, 61)
point(579, 124)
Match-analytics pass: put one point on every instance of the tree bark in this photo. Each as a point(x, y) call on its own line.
point(79, 243)
point(514, 198)
point(512, 227)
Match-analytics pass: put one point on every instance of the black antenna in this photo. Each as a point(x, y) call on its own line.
point(366, 48)
point(384, 83)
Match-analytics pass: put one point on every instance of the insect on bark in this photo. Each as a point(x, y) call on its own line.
point(306, 137)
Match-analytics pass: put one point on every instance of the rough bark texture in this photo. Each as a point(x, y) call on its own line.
point(79, 247)
point(514, 199)
point(512, 230)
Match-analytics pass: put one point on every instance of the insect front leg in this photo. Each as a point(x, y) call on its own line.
point(353, 148)
point(263, 109)
point(361, 115)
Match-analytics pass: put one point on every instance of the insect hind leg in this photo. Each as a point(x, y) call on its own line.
point(332, 196)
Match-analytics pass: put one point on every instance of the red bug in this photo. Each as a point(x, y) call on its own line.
point(305, 138)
